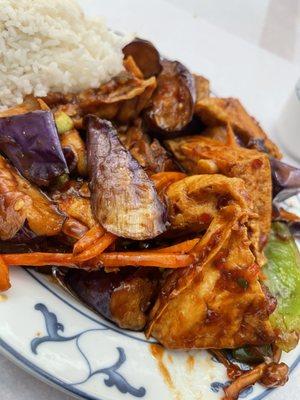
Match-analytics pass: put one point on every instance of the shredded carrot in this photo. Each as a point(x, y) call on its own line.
point(109, 260)
point(145, 259)
point(96, 249)
point(164, 179)
point(86, 241)
point(4, 276)
point(39, 259)
point(130, 66)
point(43, 105)
point(179, 248)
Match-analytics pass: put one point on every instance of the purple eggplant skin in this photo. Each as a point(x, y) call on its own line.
point(30, 141)
point(24, 243)
point(124, 199)
point(145, 55)
point(123, 297)
point(172, 105)
point(286, 180)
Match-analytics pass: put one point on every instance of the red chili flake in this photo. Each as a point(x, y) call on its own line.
point(211, 316)
point(205, 218)
point(221, 258)
point(252, 271)
point(233, 372)
point(257, 163)
point(220, 265)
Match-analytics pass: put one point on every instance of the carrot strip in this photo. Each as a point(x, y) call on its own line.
point(183, 247)
point(179, 248)
point(145, 259)
point(97, 248)
point(109, 260)
point(164, 179)
point(4, 276)
point(131, 66)
point(39, 259)
point(90, 237)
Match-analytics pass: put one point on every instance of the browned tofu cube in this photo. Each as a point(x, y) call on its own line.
point(215, 111)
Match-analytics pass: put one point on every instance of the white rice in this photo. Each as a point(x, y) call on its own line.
point(49, 45)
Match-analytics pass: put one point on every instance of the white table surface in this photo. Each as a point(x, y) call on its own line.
point(273, 25)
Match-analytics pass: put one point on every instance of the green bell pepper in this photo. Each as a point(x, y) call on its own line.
point(252, 354)
point(63, 122)
point(283, 280)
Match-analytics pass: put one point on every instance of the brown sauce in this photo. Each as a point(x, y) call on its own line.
point(158, 352)
point(190, 363)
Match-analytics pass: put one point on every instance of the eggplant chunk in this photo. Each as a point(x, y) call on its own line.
point(30, 141)
point(123, 297)
point(173, 101)
point(286, 180)
point(124, 199)
point(145, 55)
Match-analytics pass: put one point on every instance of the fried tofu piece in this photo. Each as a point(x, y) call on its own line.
point(193, 202)
point(77, 207)
point(221, 133)
point(202, 87)
point(216, 303)
point(121, 99)
point(217, 111)
point(20, 201)
point(201, 155)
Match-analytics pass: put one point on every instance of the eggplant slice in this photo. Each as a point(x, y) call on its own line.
point(172, 104)
point(122, 297)
point(124, 199)
point(145, 55)
point(30, 141)
point(286, 180)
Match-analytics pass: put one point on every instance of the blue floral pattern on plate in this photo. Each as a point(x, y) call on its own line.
point(113, 376)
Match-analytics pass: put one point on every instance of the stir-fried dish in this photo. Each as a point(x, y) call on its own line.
point(159, 206)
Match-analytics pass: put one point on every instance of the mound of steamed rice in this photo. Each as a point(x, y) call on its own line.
point(49, 45)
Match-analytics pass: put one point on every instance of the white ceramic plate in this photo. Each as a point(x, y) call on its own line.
point(62, 342)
